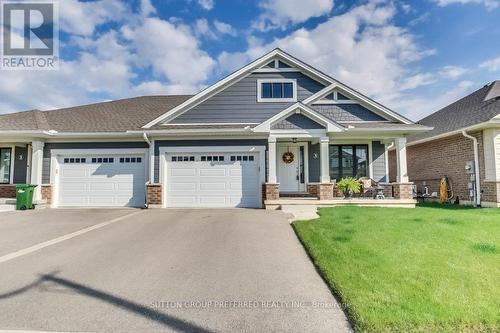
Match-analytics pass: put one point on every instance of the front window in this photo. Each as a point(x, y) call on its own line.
point(5, 160)
point(348, 161)
point(276, 90)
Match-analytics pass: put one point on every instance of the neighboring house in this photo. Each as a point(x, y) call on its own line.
point(275, 126)
point(445, 150)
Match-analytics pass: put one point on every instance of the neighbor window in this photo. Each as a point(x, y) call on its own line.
point(348, 161)
point(5, 160)
point(276, 90)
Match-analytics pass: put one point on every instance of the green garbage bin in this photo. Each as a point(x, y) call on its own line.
point(24, 196)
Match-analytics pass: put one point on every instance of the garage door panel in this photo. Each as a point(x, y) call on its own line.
point(183, 172)
point(217, 171)
point(203, 183)
point(107, 184)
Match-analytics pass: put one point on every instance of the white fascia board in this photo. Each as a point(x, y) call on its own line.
point(304, 110)
point(372, 105)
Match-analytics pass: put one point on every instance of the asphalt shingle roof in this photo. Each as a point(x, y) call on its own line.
point(478, 107)
point(115, 116)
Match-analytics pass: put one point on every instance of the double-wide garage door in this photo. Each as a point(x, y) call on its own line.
point(213, 180)
point(102, 180)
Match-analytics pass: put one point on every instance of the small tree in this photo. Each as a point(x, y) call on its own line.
point(348, 186)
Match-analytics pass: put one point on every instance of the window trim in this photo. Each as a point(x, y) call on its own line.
point(353, 145)
point(261, 99)
point(11, 165)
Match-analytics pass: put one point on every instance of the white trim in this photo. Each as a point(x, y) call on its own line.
point(353, 94)
point(487, 124)
point(276, 70)
point(203, 124)
point(261, 99)
point(353, 142)
point(248, 69)
point(55, 154)
point(333, 102)
point(306, 160)
point(151, 163)
point(12, 161)
point(300, 109)
point(208, 149)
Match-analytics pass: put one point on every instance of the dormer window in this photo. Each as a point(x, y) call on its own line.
point(277, 90)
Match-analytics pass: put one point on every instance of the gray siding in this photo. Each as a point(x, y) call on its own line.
point(314, 167)
point(20, 165)
point(378, 158)
point(194, 143)
point(238, 103)
point(82, 145)
point(346, 112)
point(297, 121)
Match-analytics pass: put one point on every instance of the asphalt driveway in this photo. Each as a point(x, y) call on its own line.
point(159, 270)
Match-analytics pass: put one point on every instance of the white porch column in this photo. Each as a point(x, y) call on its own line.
point(324, 160)
point(36, 168)
point(402, 169)
point(272, 178)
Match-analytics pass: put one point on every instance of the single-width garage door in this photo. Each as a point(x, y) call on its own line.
point(102, 180)
point(213, 180)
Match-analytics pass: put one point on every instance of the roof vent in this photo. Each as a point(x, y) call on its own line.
point(494, 92)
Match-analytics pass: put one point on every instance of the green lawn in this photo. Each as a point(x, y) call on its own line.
point(430, 269)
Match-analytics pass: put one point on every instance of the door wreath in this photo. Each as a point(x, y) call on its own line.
point(288, 157)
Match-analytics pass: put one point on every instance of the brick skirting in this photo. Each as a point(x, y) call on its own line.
point(7, 191)
point(403, 190)
point(270, 191)
point(47, 193)
point(154, 194)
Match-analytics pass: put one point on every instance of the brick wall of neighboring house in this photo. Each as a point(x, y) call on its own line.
point(154, 194)
point(430, 161)
point(7, 191)
point(47, 193)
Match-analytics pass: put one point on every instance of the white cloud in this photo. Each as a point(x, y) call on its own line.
point(225, 28)
point(281, 13)
point(111, 65)
point(171, 50)
point(489, 4)
point(492, 65)
point(417, 107)
point(417, 80)
point(452, 72)
point(202, 28)
point(82, 18)
point(206, 4)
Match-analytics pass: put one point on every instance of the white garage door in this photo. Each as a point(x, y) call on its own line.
point(102, 181)
point(213, 180)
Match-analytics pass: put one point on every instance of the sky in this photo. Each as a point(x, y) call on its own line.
point(415, 57)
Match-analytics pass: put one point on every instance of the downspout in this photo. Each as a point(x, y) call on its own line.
point(145, 137)
point(476, 167)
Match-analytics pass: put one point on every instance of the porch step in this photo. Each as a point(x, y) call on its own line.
point(297, 195)
point(7, 201)
point(7, 207)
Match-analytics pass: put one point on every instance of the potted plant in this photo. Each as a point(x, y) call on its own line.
point(349, 186)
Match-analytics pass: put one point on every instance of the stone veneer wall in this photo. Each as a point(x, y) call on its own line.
point(47, 193)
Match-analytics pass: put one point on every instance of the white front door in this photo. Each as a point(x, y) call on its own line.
point(288, 173)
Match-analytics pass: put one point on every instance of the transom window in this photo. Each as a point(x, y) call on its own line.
point(348, 161)
point(182, 158)
point(277, 90)
point(5, 160)
point(244, 158)
point(130, 160)
point(103, 160)
point(210, 158)
point(74, 160)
